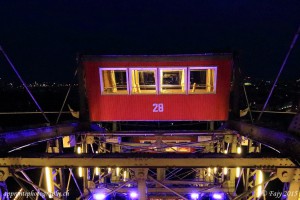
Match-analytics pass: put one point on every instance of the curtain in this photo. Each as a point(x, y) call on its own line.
point(210, 80)
point(182, 80)
point(135, 82)
point(106, 80)
point(113, 81)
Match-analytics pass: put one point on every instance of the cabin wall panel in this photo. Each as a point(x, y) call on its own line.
point(177, 107)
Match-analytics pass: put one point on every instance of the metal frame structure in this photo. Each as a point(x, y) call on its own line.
point(229, 162)
point(216, 165)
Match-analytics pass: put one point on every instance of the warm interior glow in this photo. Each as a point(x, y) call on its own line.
point(202, 80)
point(172, 81)
point(178, 149)
point(49, 181)
point(225, 151)
point(109, 170)
point(114, 81)
point(143, 81)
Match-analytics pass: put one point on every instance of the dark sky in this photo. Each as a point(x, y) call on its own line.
point(42, 38)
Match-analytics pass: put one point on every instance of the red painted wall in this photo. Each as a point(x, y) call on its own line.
point(177, 107)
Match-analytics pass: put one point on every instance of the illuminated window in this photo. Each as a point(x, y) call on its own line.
point(172, 81)
point(202, 80)
point(113, 81)
point(143, 81)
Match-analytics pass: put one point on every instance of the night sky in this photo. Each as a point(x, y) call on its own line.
point(42, 38)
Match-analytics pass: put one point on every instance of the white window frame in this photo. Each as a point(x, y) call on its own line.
point(203, 67)
point(116, 69)
point(185, 69)
point(144, 69)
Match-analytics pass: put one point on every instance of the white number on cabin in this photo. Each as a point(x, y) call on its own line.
point(158, 107)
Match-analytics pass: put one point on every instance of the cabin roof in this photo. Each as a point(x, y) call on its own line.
point(157, 58)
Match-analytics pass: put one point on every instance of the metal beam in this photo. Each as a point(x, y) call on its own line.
point(126, 162)
point(163, 133)
point(170, 189)
point(181, 190)
point(18, 138)
point(14, 139)
point(286, 143)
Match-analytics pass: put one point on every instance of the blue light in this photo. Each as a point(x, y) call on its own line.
point(194, 195)
point(218, 196)
point(98, 196)
point(133, 195)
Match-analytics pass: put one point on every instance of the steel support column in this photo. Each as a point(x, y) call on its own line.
point(141, 176)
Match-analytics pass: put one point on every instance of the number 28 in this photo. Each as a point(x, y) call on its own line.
point(158, 107)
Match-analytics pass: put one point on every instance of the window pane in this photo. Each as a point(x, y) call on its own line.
point(143, 82)
point(172, 81)
point(202, 81)
point(114, 82)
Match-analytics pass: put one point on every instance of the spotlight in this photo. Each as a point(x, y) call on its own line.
point(218, 196)
point(237, 172)
point(133, 195)
point(98, 196)
point(239, 150)
point(194, 196)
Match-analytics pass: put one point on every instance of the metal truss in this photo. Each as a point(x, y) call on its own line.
point(135, 161)
point(101, 163)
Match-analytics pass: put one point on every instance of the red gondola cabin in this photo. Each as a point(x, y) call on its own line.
point(158, 88)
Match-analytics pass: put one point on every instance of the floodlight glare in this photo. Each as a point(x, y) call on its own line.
point(218, 196)
point(98, 196)
point(194, 195)
point(133, 195)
